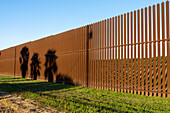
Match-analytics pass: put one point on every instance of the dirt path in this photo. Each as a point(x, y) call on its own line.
point(14, 104)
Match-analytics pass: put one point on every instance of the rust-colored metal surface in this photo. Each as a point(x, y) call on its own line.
point(125, 72)
point(113, 54)
point(154, 49)
point(131, 75)
point(110, 66)
point(105, 58)
point(126, 53)
point(142, 62)
point(135, 53)
point(122, 76)
point(159, 59)
point(107, 54)
point(115, 38)
point(146, 52)
point(163, 46)
point(150, 52)
point(138, 18)
point(119, 53)
point(168, 48)
point(100, 58)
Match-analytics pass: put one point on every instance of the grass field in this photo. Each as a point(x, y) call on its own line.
point(69, 98)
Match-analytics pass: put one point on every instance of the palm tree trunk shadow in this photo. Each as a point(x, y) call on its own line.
point(50, 65)
point(24, 61)
point(89, 36)
point(35, 66)
point(64, 79)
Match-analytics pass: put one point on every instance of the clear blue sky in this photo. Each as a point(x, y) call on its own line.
point(27, 20)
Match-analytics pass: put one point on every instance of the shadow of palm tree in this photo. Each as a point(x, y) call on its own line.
point(35, 66)
point(89, 36)
point(64, 79)
point(24, 61)
point(50, 65)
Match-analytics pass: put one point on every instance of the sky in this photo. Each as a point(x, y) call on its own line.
point(28, 20)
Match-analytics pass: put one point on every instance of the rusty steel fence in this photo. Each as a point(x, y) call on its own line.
point(126, 53)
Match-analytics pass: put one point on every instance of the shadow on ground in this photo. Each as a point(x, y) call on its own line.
point(14, 85)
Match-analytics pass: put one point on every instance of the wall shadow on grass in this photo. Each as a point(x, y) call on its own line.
point(32, 87)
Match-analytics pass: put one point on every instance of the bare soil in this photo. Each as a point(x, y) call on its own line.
point(14, 104)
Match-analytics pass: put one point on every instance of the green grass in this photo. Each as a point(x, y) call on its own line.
point(69, 98)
